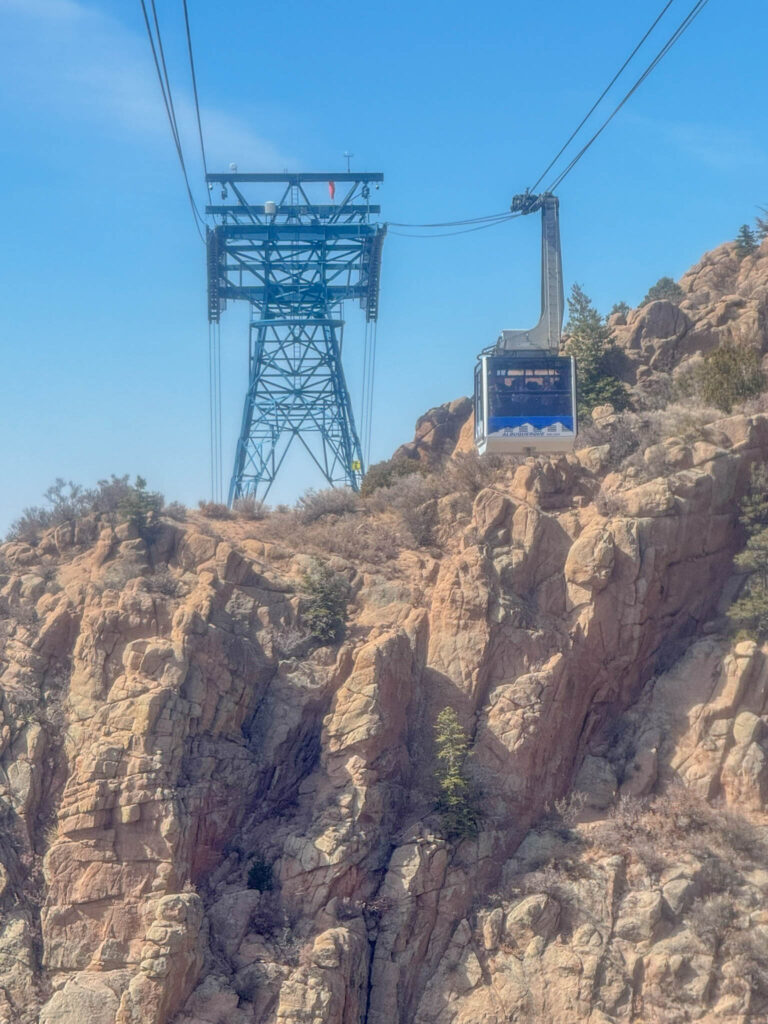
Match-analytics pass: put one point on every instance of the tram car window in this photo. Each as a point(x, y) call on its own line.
point(525, 403)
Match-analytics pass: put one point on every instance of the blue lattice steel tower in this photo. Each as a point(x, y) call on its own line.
point(295, 261)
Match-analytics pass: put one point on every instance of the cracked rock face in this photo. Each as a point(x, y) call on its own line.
point(159, 751)
point(725, 299)
point(206, 818)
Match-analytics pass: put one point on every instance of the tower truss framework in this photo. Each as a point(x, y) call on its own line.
point(295, 262)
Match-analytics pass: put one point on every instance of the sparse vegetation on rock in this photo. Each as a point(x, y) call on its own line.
point(332, 501)
point(171, 736)
point(249, 508)
point(749, 614)
point(215, 510)
point(65, 502)
point(384, 474)
point(728, 375)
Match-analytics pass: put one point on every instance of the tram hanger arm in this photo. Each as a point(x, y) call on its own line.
point(545, 336)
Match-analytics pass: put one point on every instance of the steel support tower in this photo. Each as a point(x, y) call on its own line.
point(295, 262)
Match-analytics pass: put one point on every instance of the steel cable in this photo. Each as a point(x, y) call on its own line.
point(168, 103)
point(685, 24)
point(599, 100)
point(194, 88)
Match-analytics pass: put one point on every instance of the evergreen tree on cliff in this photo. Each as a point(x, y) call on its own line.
point(746, 242)
point(455, 792)
point(665, 288)
point(590, 342)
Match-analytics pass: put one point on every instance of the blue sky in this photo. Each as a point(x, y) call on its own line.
point(103, 362)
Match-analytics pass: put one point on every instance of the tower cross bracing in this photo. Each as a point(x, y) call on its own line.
point(295, 262)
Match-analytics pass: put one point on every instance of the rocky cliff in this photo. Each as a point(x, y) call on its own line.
point(207, 818)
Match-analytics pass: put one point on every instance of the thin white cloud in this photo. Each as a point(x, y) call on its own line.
point(86, 64)
point(720, 146)
point(59, 10)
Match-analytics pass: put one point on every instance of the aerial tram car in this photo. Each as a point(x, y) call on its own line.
point(525, 390)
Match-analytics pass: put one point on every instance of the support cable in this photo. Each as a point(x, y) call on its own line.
point(370, 395)
point(211, 444)
point(697, 8)
point(168, 103)
point(194, 88)
point(364, 387)
point(454, 223)
point(599, 100)
point(462, 231)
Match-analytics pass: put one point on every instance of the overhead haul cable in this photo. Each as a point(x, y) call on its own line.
point(165, 89)
point(480, 223)
point(194, 88)
point(599, 100)
point(697, 8)
point(214, 330)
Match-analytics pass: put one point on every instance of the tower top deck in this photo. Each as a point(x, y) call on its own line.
point(296, 178)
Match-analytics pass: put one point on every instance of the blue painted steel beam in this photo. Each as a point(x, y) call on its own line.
point(293, 211)
point(290, 178)
point(308, 232)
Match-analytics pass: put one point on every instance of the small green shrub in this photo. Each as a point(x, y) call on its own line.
point(620, 307)
point(249, 508)
point(665, 288)
point(384, 474)
point(175, 510)
point(455, 802)
point(332, 501)
point(139, 505)
point(260, 875)
point(215, 510)
point(728, 375)
point(327, 595)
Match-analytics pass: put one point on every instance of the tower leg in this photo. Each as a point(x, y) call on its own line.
point(296, 390)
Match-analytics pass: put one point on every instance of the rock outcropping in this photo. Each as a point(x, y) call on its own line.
point(206, 818)
point(725, 299)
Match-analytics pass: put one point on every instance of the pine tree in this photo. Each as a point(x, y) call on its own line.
point(754, 504)
point(327, 595)
point(761, 226)
point(139, 505)
point(665, 288)
point(455, 796)
point(590, 342)
point(745, 241)
point(749, 614)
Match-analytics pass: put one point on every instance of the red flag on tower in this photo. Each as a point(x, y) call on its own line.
point(332, 189)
